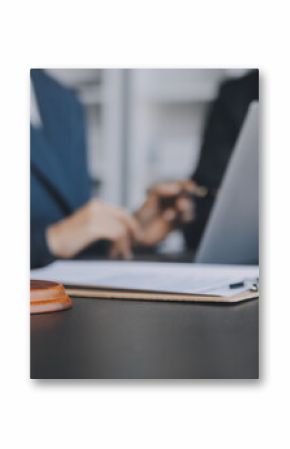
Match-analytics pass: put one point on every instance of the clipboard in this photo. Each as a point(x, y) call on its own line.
point(154, 281)
point(98, 293)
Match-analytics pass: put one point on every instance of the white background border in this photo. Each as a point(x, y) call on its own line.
point(210, 414)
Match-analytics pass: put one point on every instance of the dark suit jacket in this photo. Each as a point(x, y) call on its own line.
point(223, 125)
point(59, 177)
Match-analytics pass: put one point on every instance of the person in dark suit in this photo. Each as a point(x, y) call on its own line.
point(64, 220)
point(223, 124)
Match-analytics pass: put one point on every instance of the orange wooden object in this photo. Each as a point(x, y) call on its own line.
point(48, 297)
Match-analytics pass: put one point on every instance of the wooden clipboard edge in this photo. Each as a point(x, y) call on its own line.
point(151, 296)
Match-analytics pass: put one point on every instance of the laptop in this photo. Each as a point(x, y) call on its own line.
point(231, 235)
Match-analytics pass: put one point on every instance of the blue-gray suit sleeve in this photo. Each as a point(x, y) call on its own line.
point(40, 254)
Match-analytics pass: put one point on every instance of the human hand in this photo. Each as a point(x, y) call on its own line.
point(168, 205)
point(94, 221)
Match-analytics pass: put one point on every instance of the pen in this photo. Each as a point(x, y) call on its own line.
point(254, 285)
point(237, 284)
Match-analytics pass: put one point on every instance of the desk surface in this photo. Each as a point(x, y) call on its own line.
point(137, 339)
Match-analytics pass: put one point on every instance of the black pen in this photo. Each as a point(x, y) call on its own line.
point(254, 285)
point(237, 284)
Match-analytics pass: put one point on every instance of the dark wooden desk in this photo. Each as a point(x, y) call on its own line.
point(134, 339)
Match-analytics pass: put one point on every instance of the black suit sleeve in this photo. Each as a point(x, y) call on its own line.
point(223, 125)
point(219, 137)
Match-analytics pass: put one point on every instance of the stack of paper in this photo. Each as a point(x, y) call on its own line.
point(153, 280)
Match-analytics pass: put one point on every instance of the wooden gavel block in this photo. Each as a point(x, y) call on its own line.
point(48, 296)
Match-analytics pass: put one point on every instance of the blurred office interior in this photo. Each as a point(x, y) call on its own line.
point(143, 125)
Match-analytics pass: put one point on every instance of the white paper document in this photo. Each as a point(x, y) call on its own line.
point(182, 278)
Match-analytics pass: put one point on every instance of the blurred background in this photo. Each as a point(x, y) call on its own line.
point(142, 125)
